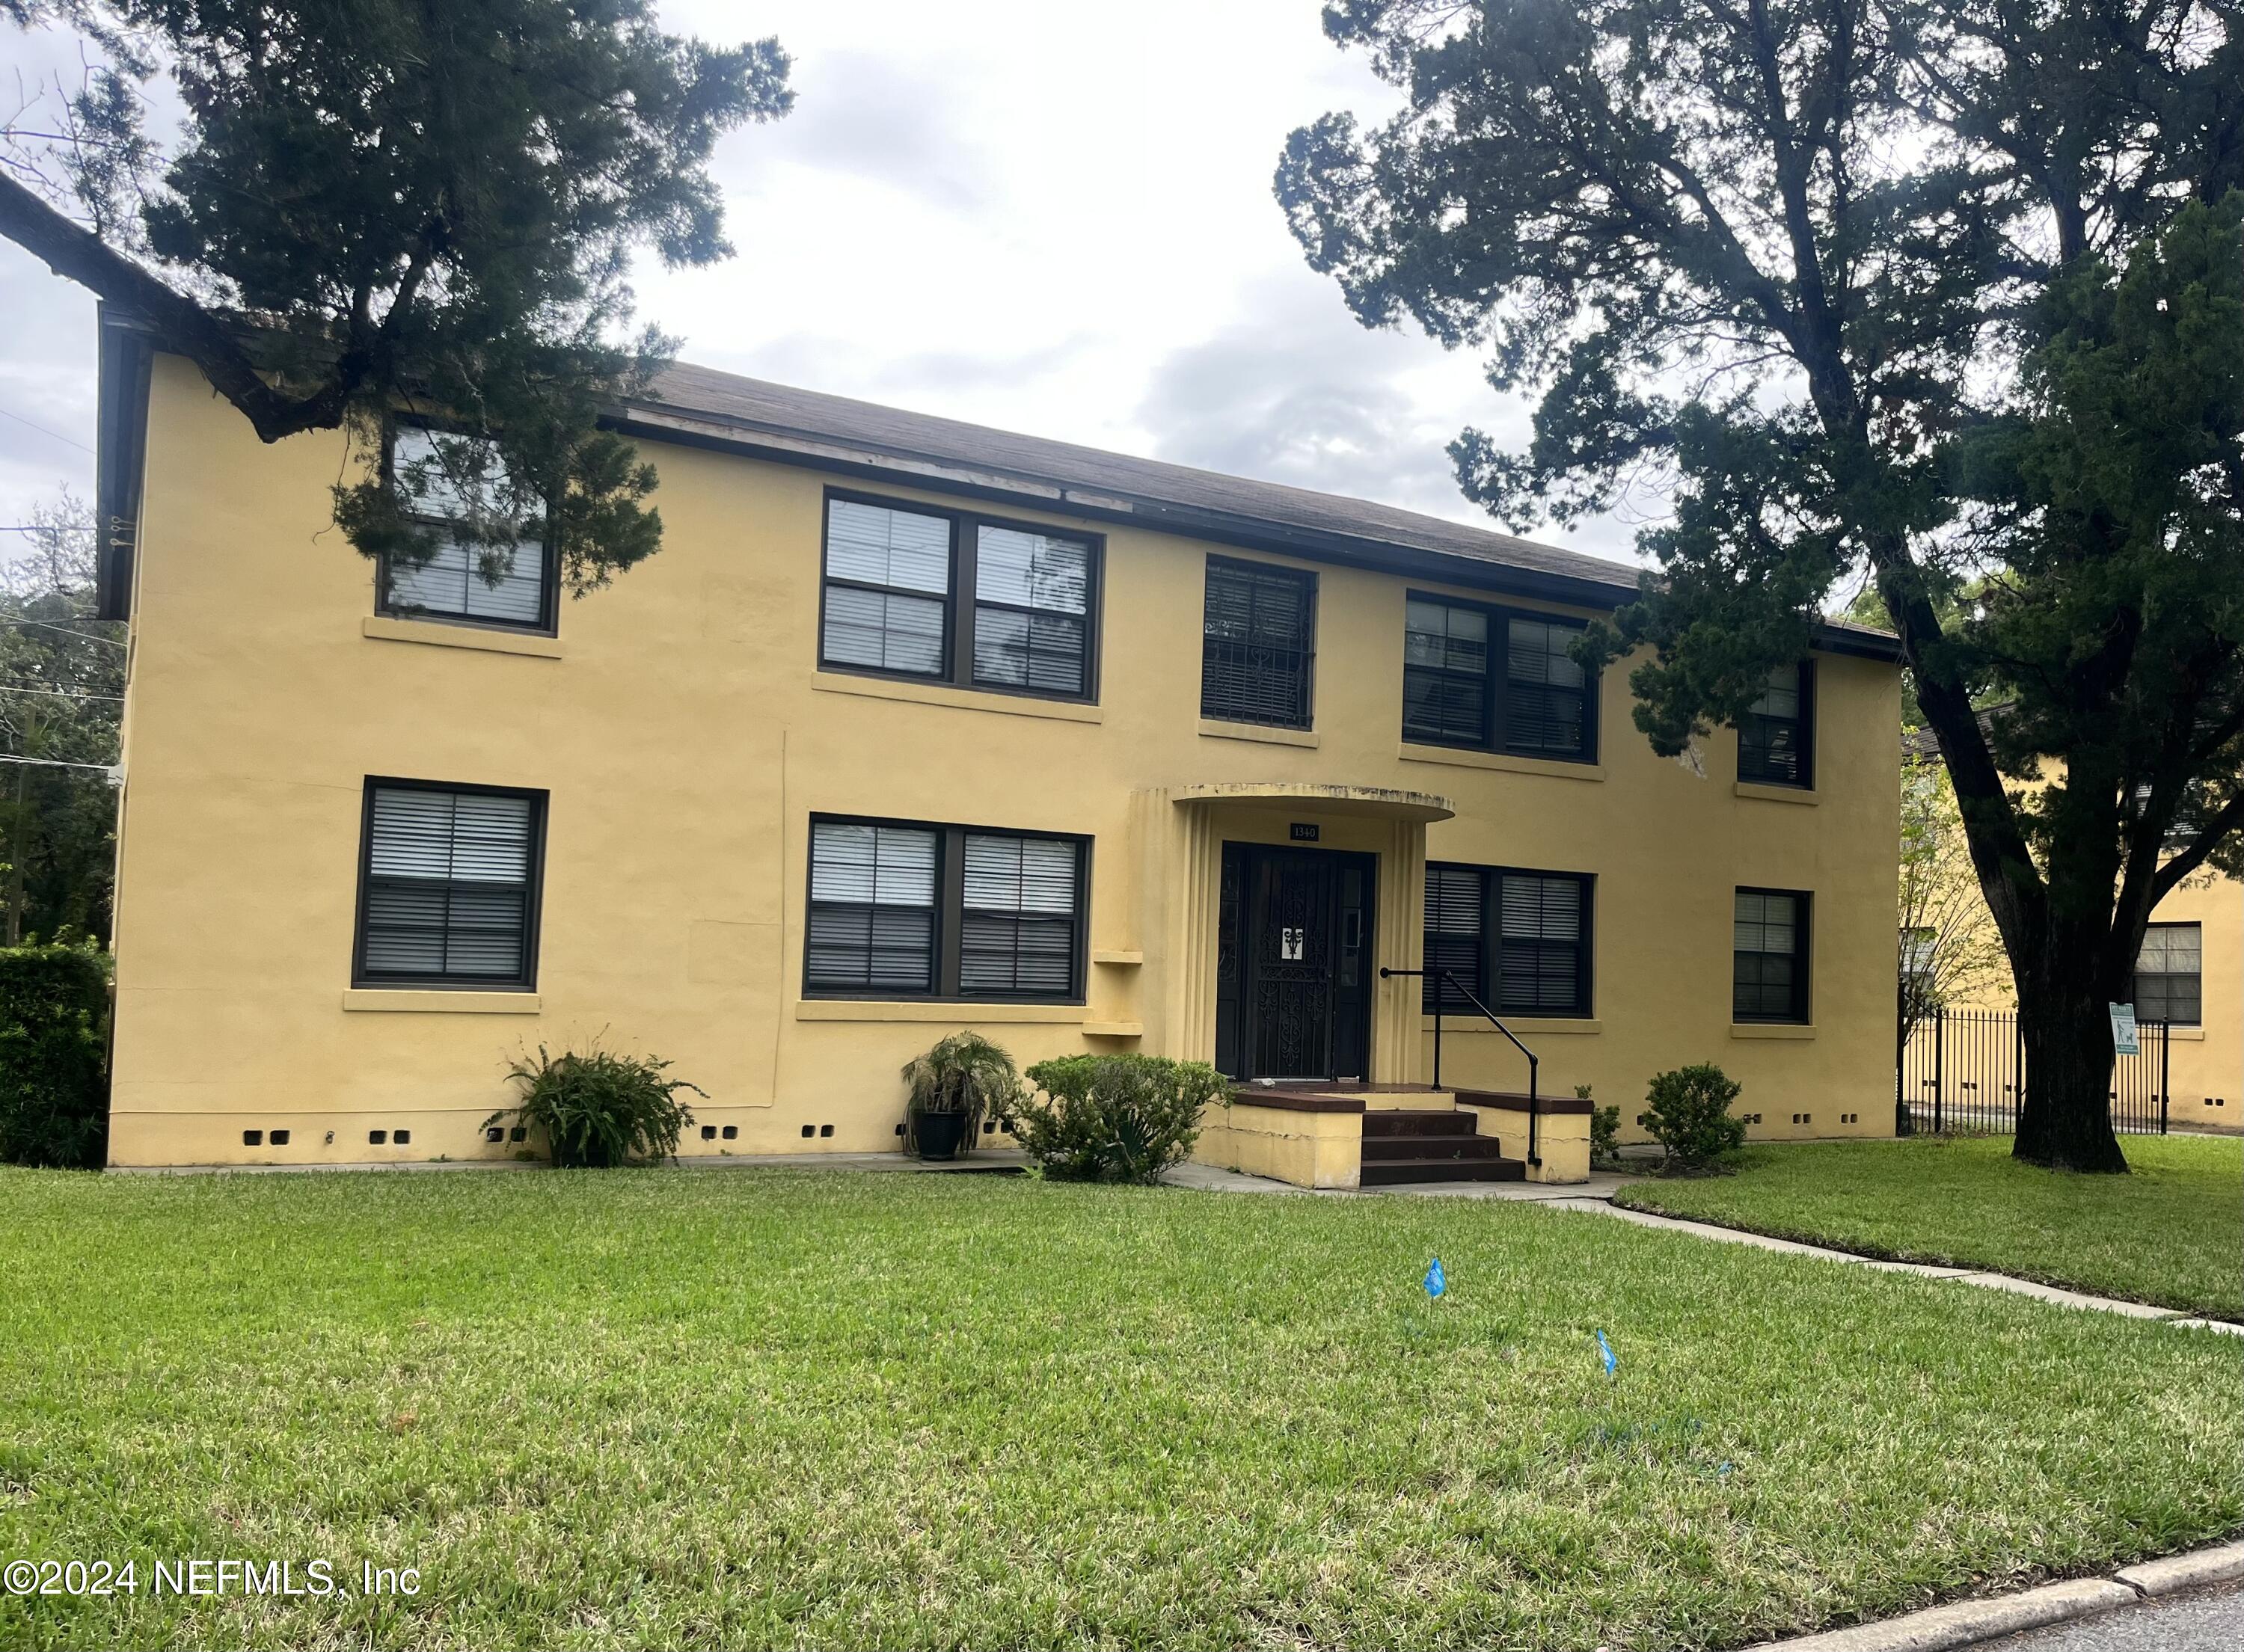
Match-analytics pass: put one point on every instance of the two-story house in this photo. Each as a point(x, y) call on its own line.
point(912, 725)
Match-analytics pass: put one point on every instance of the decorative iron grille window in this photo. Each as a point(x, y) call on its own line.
point(1494, 680)
point(1775, 739)
point(457, 477)
point(2169, 975)
point(902, 909)
point(953, 597)
point(448, 890)
point(1769, 956)
point(1536, 951)
point(1259, 644)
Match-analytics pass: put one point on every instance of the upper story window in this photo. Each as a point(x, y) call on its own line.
point(1257, 646)
point(1768, 975)
point(956, 597)
point(1496, 681)
point(1517, 940)
point(446, 480)
point(2169, 975)
point(901, 909)
point(1776, 738)
point(448, 886)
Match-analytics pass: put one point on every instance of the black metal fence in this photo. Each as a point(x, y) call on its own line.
point(1963, 1070)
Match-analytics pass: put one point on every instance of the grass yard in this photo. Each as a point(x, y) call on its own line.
point(747, 1408)
point(2170, 1233)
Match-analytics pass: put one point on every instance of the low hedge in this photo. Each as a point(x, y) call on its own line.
point(54, 1056)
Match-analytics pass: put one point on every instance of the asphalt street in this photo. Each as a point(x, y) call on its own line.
point(2213, 1621)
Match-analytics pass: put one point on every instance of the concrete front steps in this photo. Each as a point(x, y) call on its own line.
point(1402, 1145)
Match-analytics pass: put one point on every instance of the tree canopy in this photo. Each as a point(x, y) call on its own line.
point(1944, 292)
point(376, 206)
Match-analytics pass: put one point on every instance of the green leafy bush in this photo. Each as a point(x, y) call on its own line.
point(1604, 1130)
point(964, 1073)
point(1114, 1118)
point(54, 1056)
point(597, 1111)
point(1688, 1113)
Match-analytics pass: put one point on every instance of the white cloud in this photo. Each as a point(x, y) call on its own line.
point(1054, 218)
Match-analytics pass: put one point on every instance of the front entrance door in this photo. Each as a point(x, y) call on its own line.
point(1292, 990)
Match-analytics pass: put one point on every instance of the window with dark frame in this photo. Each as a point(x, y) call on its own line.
point(2169, 975)
point(1495, 679)
point(1257, 646)
point(1775, 738)
point(474, 584)
point(957, 598)
point(906, 909)
point(1526, 932)
point(1769, 955)
point(449, 886)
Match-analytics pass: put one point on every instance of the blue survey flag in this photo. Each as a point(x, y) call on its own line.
point(1605, 1353)
point(1437, 1281)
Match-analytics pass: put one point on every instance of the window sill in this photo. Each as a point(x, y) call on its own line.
point(1114, 1030)
point(1260, 733)
point(943, 1009)
point(441, 1000)
point(383, 629)
point(1458, 756)
point(1776, 793)
point(1771, 1029)
point(1468, 1024)
point(1116, 956)
point(883, 688)
point(2195, 1034)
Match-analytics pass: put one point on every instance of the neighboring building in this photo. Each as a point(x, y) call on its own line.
point(2189, 976)
point(914, 725)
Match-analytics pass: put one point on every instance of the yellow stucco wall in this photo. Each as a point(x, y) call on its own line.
point(685, 738)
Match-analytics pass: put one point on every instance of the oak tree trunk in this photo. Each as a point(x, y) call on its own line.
point(2066, 1029)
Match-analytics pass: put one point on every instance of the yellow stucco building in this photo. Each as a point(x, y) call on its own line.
point(911, 726)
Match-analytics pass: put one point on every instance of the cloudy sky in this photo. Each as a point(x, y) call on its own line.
point(1048, 218)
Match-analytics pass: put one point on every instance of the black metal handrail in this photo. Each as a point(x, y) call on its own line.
point(1448, 978)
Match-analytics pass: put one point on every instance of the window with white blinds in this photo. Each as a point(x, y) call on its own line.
point(1258, 643)
point(955, 597)
point(2169, 975)
point(1485, 678)
point(1019, 898)
point(1774, 737)
point(872, 909)
point(449, 886)
point(481, 583)
point(1769, 956)
point(1517, 940)
point(902, 909)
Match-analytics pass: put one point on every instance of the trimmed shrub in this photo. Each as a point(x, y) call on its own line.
point(597, 1111)
point(1604, 1130)
point(1688, 1113)
point(54, 1056)
point(1114, 1118)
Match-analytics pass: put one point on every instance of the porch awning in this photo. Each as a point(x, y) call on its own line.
point(1385, 802)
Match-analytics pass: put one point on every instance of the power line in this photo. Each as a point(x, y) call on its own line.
point(57, 763)
point(84, 636)
point(43, 430)
point(60, 694)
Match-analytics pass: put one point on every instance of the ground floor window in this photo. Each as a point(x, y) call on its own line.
point(1516, 940)
point(2169, 979)
point(1769, 956)
point(906, 909)
point(448, 886)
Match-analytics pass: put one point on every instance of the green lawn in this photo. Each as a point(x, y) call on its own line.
point(749, 1408)
point(2171, 1232)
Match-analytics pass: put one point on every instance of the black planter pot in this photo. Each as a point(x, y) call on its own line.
point(939, 1134)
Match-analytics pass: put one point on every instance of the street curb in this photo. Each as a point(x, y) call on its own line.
point(1969, 1622)
point(2199, 1570)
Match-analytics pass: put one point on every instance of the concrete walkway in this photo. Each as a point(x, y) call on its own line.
point(1594, 1197)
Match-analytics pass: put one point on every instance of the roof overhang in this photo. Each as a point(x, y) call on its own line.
point(125, 349)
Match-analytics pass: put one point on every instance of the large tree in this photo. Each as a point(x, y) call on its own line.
point(1945, 290)
point(372, 206)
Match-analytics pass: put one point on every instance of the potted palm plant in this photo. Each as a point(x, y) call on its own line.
point(963, 1080)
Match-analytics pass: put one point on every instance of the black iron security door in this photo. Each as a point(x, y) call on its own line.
point(1292, 991)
